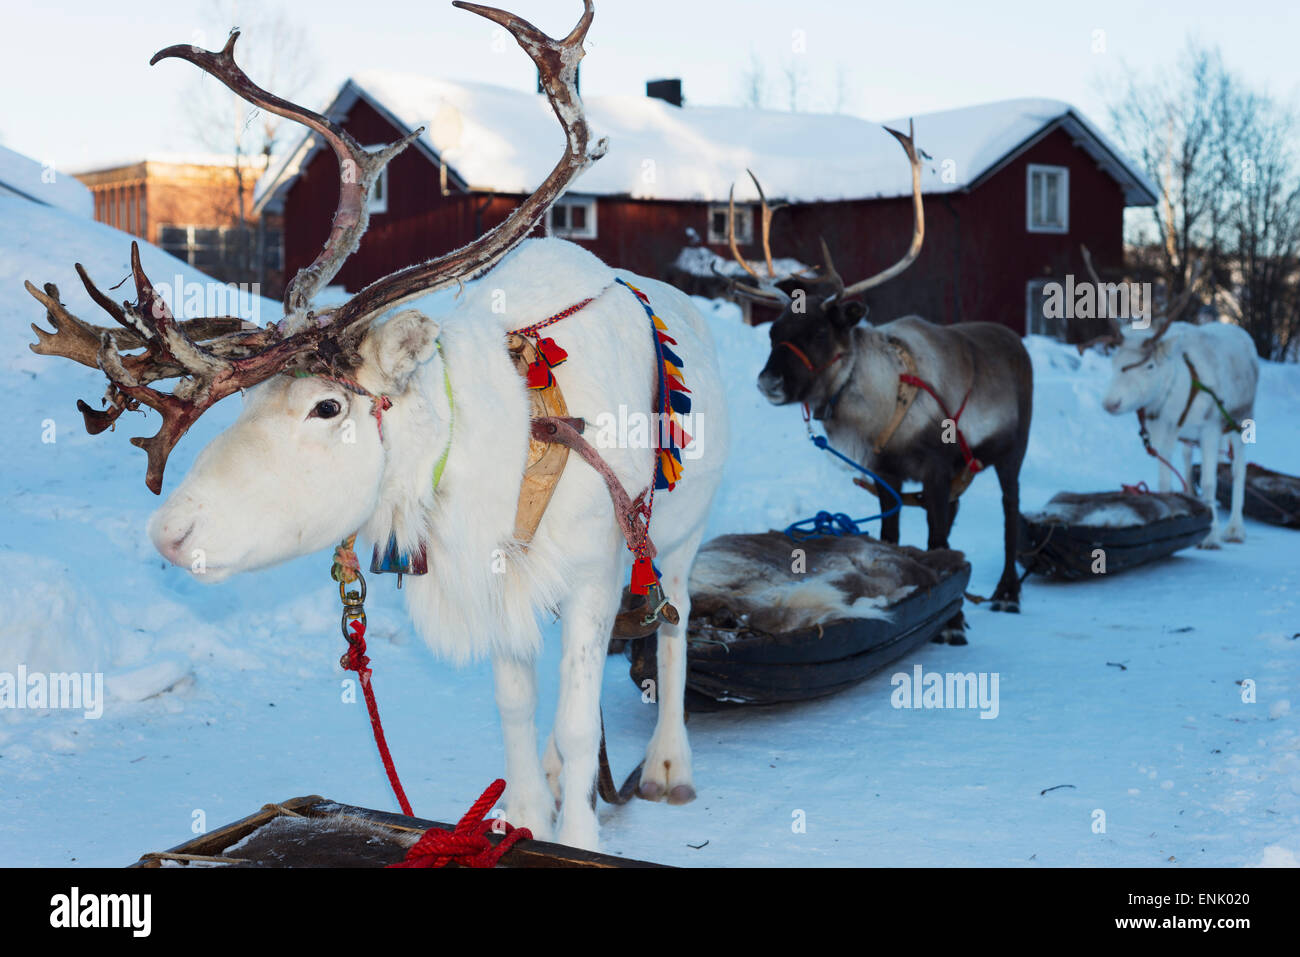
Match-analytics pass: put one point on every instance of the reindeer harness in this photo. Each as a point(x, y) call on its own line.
point(909, 385)
point(552, 434)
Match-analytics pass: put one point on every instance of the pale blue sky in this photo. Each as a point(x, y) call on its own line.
point(79, 90)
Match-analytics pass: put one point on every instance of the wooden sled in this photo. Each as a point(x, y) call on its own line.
point(314, 832)
point(1272, 497)
point(733, 661)
point(1056, 545)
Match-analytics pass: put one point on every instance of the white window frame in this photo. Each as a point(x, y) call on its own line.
point(1036, 324)
point(744, 224)
point(1064, 173)
point(380, 185)
point(588, 231)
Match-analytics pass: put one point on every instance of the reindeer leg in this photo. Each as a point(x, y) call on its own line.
point(1210, 482)
point(528, 801)
point(889, 527)
point(667, 770)
point(1007, 595)
point(938, 516)
point(1236, 531)
point(588, 615)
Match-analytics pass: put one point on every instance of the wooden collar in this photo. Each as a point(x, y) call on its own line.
point(546, 460)
point(906, 393)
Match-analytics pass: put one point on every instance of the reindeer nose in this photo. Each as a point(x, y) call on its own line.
point(771, 387)
point(1111, 405)
point(170, 544)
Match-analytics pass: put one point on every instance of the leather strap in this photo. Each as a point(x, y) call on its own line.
point(1191, 393)
point(906, 394)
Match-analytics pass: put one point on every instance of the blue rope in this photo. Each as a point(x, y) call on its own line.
point(837, 523)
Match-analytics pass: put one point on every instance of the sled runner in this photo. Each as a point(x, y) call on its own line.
point(315, 832)
point(1272, 497)
point(776, 620)
point(1129, 529)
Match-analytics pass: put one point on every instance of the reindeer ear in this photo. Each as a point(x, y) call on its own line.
point(402, 344)
point(848, 315)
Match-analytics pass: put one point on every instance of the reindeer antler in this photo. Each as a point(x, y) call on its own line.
point(918, 229)
point(1161, 323)
point(765, 289)
point(215, 358)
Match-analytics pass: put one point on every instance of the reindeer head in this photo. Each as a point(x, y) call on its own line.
point(312, 378)
point(813, 334)
point(1142, 361)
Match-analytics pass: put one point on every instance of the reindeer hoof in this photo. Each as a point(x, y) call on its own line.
point(952, 635)
point(682, 794)
point(1011, 605)
point(650, 791)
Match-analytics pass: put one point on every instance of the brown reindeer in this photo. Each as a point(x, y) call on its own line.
point(908, 398)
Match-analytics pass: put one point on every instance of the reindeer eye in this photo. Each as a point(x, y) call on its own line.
point(326, 409)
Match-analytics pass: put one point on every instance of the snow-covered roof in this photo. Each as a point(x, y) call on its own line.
point(504, 140)
point(172, 159)
point(25, 177)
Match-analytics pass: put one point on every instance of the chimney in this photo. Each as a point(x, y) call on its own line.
point(577, 81)
point(670, 91)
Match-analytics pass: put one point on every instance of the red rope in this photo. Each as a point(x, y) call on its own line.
point(468, 843)
point(354, 659)
point(972, 463)
point(531, 331)
point(1151, 451)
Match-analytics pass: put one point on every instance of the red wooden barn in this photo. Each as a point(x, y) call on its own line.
point(1011, 189)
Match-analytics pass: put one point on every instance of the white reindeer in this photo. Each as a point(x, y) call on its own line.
point(353, 445)
point(1190, 383)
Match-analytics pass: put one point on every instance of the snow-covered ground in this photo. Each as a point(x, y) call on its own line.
point(222, 698)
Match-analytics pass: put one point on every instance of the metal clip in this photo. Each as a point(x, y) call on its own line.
point(658, 608)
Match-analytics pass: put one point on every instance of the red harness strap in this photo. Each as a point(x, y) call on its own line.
point(803, 357)
point(1151, 450)
point(973, 464)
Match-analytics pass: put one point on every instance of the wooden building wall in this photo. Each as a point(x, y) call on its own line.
point(975, 264)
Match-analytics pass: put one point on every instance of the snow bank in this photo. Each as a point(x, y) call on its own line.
point(25, 177)
point(222, 698)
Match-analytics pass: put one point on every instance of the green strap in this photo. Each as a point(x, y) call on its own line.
point(1198, 385)
point(451, 421)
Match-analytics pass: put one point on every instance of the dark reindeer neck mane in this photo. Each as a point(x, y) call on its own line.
point(861, 397)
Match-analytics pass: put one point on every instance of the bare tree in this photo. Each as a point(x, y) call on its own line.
point(795, 80)
point(753, 84)
point(276, 52)
point(1263, 220)
point(1223, 162)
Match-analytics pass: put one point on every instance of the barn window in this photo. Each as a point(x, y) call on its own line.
point(1048, 199)
point(718, 224)
point(1037, 322)
point(573, 217)
point(377, 201)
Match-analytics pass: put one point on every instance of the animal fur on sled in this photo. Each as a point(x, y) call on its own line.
point(1113, 509)
point(752, 579)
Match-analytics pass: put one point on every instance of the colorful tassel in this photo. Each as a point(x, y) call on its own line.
point(539, 375)
point(550, 351)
